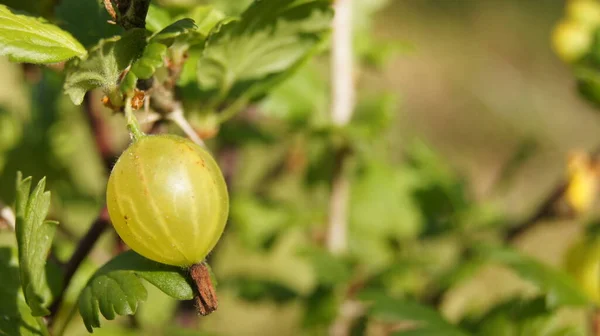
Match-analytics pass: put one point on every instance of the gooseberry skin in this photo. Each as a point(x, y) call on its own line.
point(167, 200)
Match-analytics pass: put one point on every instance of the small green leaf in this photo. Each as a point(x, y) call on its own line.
point(206, 18)
point(27, 39)
point(272, 37)
point(104, 64)
point(34, 238)
point(427, 320)
point(174, 30)
point(152, 58)
point(116, 288)
point(559, 287)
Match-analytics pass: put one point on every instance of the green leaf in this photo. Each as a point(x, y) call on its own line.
point(27, 39)
point(243, 58)
point(174, 30)
point(560, 289)
point(34, 238)
point(206, 18)
point(16, 315)
point(151, 59)
point(116, 288)
point(104, 64)
point(427, 320)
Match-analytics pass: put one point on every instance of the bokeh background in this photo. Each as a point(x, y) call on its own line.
point(480, 119)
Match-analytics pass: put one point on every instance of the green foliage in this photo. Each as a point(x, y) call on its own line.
point(151, 59)
point(173, 31)
point(27, 39)
point(116, 288)
point(34, 236)
point(560, 289)
point(104, 64)
point(427, 321)
point(422, 234)
point(243, 58)
point(519, 316)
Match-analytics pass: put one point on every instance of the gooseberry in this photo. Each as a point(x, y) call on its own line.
point(167, 200)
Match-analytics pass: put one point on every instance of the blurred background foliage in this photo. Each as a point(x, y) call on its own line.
point(466, 121)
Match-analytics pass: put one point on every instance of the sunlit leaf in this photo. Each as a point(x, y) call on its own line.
point(27, 39)
point(245, 56)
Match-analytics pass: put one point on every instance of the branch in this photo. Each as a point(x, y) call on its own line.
point(102, 222)
point(179, 119)
point(341, 113)
point(343, 101)
point(84, 247)
point(128, 13)
point(342, 64)
point(100, 129)
point(544, 210)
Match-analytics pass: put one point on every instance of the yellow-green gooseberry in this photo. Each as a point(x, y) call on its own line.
point(167, 200)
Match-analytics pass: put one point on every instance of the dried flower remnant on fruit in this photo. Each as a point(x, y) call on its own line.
point(206, 300)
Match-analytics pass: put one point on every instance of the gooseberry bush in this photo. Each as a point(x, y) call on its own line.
point(168, 135)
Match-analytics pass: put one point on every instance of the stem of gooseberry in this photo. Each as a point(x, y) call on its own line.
point(206, 297)
point(132, 123)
